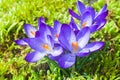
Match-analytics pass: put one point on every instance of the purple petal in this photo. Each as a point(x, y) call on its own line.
point(91, 10)
point(76, 32)
point(40, 21)
point(103, 9)
point(43, 30)
point(57, 26)
point(73, 24)
point(101, 23)
point(30, 30)
point(83, 53)
point(83, 37)
point(102, 15)
point(93, 28)
point(56, 30)
point(55, 58)
point(67, 36)
point(94, 46)
point(67, 60)
point(21, 42)
point(81, 7)
point(86, 19)
point(34, 56)
point(57, 51)
point(73, 14)
point(37, 44)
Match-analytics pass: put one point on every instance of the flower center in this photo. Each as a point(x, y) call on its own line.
point(84, 24)
point(32, 32)
point(46, 47)
point(75, 46)
point(56, 35)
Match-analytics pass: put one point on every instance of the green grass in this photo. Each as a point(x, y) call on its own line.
point(101, 65)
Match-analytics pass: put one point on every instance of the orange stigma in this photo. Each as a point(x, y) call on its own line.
point(32, 32)
point(84, 24)
point(75, 46)
point(46, 47)
point(56, 35)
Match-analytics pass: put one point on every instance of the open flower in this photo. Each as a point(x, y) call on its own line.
point(30, 31)
point(89, 18)
point(42, 46)
point(75, 45)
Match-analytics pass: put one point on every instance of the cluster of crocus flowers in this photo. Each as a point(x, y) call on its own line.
point(64, 42)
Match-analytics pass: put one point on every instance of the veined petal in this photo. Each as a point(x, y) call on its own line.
point(83, 36)
point(73, 14)
point(94, 46)
point(81, 7)
point(66, 37)
point(21, 42)
point(57, 51)
point(86, 19)
point(67, 60)
point(30, 30)
point(34, 56)
point(83, 52)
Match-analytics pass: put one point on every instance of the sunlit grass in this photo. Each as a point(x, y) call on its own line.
point(104, 64)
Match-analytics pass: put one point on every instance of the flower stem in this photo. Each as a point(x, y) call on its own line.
point(73, 71)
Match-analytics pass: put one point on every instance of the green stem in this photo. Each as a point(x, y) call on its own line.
point(73, 71)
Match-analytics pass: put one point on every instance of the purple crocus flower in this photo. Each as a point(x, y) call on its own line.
point(75, 45)
point(90, 18)
point(30, 31)
point(82, 9)
point(56, 30)
point(42, 46)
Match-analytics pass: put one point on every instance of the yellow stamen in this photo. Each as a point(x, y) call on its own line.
point(56, 35)
point(46, 47)
point(32, 32)
point(84, 24)
point(75, 46)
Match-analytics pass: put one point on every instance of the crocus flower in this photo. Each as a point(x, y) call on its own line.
point(30, 31)
point(75, 45)
point(82, 9)
point(85, 22)
point(90, 18)
point(56, 30)
point(42, 45)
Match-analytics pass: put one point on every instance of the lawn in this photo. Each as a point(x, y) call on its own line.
point(100, 65)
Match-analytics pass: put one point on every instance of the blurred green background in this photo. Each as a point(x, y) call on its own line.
point(101, 65)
